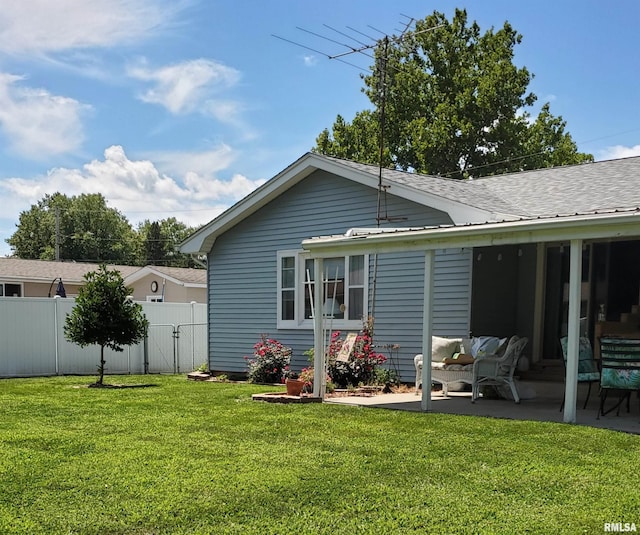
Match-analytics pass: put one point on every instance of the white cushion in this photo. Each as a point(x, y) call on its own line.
point(442, 348)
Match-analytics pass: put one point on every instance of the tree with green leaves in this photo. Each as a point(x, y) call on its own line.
point(106, 315)
point(448, 100)
point(80, 228)
point(159, 240)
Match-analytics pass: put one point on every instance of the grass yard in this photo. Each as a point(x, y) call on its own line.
point(193, 457)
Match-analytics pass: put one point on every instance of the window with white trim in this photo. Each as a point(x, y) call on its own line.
point(8, 289)
point(345, 296)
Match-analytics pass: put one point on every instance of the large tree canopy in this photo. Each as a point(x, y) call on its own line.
point(82, 228)
point(453, 104)
point(85, 229)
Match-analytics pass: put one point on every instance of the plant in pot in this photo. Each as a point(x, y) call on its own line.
point(294, 383)
point(306, 375)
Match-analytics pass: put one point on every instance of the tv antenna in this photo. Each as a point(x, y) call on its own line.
point(366, 47)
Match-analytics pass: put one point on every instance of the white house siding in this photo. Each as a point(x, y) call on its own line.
point(243, 278)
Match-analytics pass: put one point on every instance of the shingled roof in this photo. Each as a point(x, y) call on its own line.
point(604, 186)
point(590, 188)
point(22, 270)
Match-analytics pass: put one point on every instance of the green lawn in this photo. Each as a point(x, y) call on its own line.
point(191, 457)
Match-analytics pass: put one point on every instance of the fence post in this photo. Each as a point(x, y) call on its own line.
point(176, 349)
point(55, 330)
point(145, 354)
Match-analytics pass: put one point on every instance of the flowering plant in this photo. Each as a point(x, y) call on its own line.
point(307, 374)
point(270, 362)
point(363, 361)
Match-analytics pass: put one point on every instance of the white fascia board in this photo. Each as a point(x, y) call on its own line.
point(591, 227)
point(202, 240)
point(148, 270)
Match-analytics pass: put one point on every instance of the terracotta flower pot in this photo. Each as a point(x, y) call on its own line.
point(294, 387)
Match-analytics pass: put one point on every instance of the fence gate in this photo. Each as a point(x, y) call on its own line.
point(175, 348)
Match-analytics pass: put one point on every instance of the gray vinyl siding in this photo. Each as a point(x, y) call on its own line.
point(243, 278)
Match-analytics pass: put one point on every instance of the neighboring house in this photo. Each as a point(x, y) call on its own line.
point(501, 249)
point(41, 278)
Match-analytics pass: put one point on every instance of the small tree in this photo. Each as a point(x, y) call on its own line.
point(105, 315)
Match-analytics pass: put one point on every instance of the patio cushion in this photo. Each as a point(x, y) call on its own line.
point(442, 348)
point(587, 366)
point(486, 345)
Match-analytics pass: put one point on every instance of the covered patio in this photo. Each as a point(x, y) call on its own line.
point(544, 408)
point(574, 231)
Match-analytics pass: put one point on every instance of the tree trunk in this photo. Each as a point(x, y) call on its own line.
point(101, 367)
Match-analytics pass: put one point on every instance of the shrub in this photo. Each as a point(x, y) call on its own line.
point(270, 362)
point(363, 363)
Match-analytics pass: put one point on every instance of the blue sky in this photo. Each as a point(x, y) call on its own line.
point(179, 108)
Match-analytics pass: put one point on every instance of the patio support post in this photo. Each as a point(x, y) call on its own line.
point(573, 332)
point(427, 317)
point(319, 364)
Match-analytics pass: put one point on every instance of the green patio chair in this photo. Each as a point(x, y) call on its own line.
point(620, 370)
point(588, 371)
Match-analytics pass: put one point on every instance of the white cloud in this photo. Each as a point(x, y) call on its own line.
point(137, 188)
point(40, 27)
point(310, 61)
point(37, 123)
point(185, 87)
point(618, 151)
point(204, 163)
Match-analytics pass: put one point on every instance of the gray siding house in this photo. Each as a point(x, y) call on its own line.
point(260, 277)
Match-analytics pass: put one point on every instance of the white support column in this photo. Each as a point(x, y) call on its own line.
point(573, 331)
point(319, 364)
point(427, 320)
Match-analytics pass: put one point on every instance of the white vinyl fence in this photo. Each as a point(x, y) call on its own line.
point(32, 341)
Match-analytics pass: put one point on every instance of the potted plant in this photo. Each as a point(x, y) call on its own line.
point(294, 383)
point(306, 375)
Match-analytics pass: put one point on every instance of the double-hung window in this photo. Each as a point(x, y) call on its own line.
point(344, 288)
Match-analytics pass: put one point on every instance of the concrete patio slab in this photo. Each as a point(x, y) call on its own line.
point(545, 407)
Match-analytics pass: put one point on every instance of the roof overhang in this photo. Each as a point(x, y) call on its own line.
point(202, 240)
point(577, 227)
point(149, 270)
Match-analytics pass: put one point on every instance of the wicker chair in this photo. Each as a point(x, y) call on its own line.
point(588, 371)
point(498, 371)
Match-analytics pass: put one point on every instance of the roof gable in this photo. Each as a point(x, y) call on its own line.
point(439, 193)
point(557, 191)
point(188, 277)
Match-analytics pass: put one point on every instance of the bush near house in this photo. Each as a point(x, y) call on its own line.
point(270, 362)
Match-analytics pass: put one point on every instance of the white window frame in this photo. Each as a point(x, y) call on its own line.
point(155, 299)
point(4, 288)
point(299, 321)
